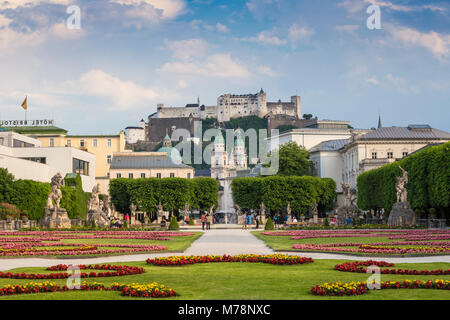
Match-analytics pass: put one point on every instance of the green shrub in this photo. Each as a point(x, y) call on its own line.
point(191, 221)
point(174, 224)
point(269, 224)
point(7, 191)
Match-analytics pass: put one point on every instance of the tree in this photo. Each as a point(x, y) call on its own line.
point(294, 160)
point(6, 186)
point(307, 116)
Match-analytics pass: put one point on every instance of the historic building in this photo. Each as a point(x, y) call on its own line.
point(345, 159)
point(102, 146)
point(225, 166)
point(27, 158)
point(148, 165)
point(195, 110)
point(135, 134)
point(231, 106)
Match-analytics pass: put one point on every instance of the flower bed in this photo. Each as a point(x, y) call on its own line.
point(359, 267)
point(372, 250)
point(153, 290)
point(112, 271)
point(358, 288)
point(279, 259)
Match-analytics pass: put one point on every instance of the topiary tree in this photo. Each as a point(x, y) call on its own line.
point(7, 191)
point(174, 224)
point(269, 224)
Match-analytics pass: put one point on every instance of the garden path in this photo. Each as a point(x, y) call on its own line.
point(226, 241)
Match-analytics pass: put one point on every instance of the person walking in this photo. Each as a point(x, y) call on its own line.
point(203, 218)
point(257, 221)
point(208, 222)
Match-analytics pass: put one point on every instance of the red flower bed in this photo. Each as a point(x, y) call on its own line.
point(280, 259)
point(358, 267)
point(117, 271)
point(153, 290)
point(358, 288)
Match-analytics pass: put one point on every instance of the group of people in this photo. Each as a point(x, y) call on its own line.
point(248, 219)
point(114, 222)
point(207, 220)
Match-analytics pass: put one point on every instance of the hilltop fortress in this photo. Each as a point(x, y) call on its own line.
point(231, 106)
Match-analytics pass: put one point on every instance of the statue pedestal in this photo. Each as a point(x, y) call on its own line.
point(97, 217)
point(402, 215)
point(351, 211)
point(56, 219)
point(315, 219)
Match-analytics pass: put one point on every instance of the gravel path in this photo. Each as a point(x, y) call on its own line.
point(226, 241)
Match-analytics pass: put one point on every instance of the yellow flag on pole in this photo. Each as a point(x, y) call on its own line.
point(24, 104)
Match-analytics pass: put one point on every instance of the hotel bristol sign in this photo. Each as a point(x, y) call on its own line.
point(22, 123)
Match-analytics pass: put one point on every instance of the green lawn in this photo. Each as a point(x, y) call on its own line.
point(246, 281)
point(176, 244)
point(284, 243)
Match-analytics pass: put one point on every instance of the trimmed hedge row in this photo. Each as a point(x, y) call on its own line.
point(172, 193)
point(428, 186)
point(277, 191)
point(31, 196)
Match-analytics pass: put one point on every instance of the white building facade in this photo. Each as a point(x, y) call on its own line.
point(25, 158)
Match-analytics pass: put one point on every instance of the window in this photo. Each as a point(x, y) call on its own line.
point(107, 174)
point(119, 175)
point(390, 155)
point(80, 167)
point(142, 175)
point(158, 175)
point(374, 155)
point(108, 159)
point(172, 175)
point(189, 175)
point(130, 175)
point(69, 143)
point(94, 142)
point(52, 142)
point(82, 143)
point(109, 142)
point(405, 154)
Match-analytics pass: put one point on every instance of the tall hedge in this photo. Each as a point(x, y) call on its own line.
point(172, 193)
point(277, 191)
point(428, 181)
point(31, 196)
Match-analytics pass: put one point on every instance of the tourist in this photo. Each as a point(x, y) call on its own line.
point(334, 222)
point(257, 221)
point(249, 219)
point(203, 218)
point(348, 221)
point(208, 221)
point(244, 220)
point(295, 220)
point(186, 219)
point(126, 218)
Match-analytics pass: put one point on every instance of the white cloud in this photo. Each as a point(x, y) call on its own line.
point(14, 4)
point(266, 71)
point(353, 6)
point(122, 95)
point(298, 34)
point(216, 65)
point(11, 40)
point(267, 38)
point(170, 8)
point(438, 44)
point(189, 48)
point(373, 81)
point(221, 27)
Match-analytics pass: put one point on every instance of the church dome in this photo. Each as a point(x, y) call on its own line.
point(173, 153)
point(219, 139)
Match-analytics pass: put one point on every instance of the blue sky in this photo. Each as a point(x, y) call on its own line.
point(130, 55)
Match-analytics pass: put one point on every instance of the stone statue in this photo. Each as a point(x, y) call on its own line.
point(211, 210)
point(107, 206)
point(315, 212)
point(160, 213)
point(97, 212)
point(238, 210)
point(401, 213)
point(55, 195)
point(349, 193)
point(288, 209)
point(186, 209)
point(262, 209)
point(55, 217)
point(402, 193)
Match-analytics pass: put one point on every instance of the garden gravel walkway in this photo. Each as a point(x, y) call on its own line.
point(219, 242)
